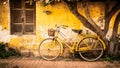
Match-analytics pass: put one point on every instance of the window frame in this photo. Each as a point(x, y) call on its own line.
point(24, 23)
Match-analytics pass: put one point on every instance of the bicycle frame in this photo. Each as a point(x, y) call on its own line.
point(74, 47)
point(97, 37)
point(89, 47)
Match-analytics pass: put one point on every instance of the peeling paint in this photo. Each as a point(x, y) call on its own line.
point(28, 41)
point(67, 34)
point(25, 41)
point(43, 31)
point(4, 35)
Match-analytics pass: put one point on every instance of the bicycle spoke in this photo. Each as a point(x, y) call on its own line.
point(49, 49)
point(92, 51)
point(85, 43)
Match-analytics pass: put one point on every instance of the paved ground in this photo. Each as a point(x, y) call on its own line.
point(40, 63)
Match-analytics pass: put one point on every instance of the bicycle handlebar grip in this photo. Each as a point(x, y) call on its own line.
point(64, 25)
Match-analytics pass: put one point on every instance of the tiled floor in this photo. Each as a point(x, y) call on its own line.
point(40, 63)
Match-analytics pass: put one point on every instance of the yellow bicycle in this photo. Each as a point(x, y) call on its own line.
point(89, 47)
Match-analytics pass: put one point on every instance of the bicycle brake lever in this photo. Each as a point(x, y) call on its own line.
point(64, 25)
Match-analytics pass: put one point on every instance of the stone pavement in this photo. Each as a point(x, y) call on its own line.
point(22, 62)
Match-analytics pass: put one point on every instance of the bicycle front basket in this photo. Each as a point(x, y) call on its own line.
point(51, 32)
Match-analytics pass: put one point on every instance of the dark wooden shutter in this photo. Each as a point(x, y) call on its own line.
point(22, 17)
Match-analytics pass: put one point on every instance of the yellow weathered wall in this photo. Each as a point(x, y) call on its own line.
point(4, 15)
point(60, 15)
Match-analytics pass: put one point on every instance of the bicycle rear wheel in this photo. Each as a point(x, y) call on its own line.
point(49, 49)
point(90, 49)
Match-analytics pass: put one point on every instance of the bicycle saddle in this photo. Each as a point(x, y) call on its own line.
point(77, 31)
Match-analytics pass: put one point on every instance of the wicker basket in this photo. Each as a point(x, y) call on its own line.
point(51, 32)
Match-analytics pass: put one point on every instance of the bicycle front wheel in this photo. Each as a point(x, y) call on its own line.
point(90, 49)
point(49, 49)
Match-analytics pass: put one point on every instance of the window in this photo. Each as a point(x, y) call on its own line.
point(22, 17)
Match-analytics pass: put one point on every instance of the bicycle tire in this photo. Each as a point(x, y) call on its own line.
point(49, 49)
point(95, 52)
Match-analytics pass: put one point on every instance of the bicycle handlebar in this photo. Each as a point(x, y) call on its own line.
point(62, 26)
